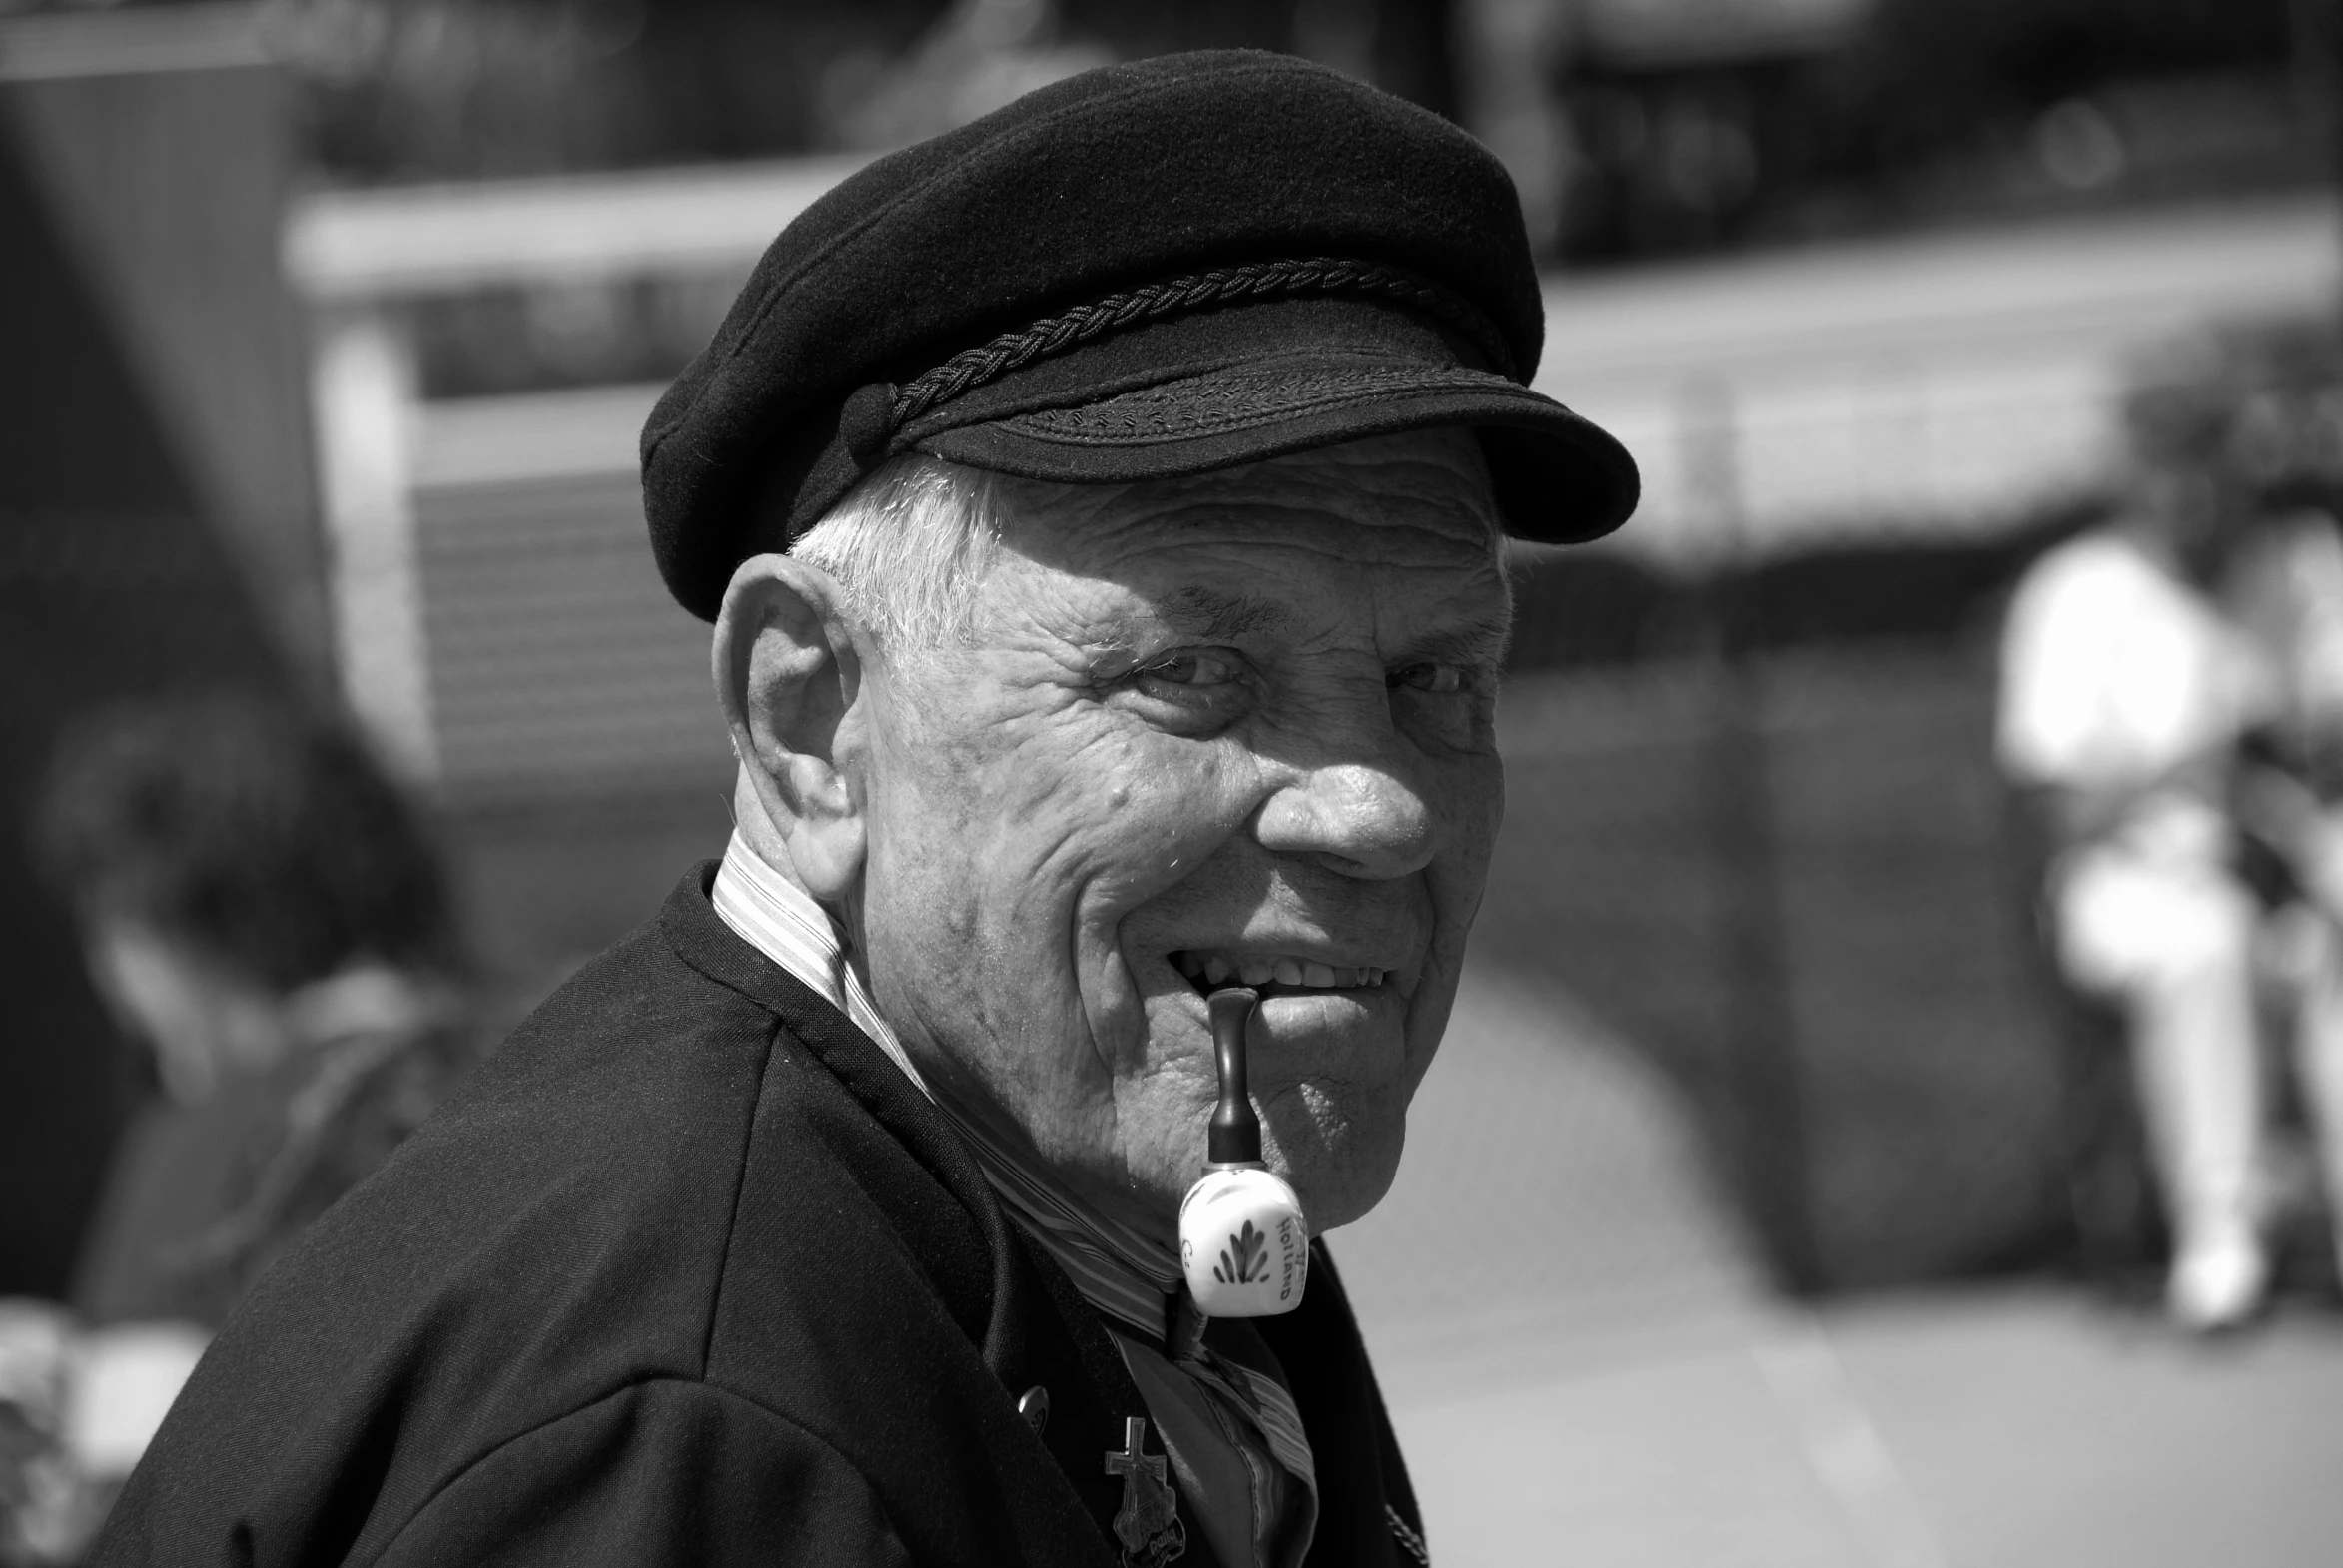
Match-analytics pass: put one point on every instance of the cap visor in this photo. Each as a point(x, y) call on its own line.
point(1559, 478)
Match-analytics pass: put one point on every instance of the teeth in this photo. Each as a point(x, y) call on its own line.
point(1281, 968)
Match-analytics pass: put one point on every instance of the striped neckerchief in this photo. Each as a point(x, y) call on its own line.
point(1131, 1281)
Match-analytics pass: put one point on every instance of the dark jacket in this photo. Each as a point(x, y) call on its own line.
point(689, 1274)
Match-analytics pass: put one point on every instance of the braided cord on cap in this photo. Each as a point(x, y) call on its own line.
point(1194, 290)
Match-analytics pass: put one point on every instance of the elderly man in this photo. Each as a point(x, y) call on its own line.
point(1100, 509)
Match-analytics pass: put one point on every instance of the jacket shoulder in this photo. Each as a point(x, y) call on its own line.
point(556, 1231)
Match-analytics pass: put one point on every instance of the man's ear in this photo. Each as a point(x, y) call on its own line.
point(789, 675)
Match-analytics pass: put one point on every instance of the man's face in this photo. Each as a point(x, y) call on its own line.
point(1236, 725)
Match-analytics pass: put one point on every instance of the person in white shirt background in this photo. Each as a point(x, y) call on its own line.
point(2140, 661)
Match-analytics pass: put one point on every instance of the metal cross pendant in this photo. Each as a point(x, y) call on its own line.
point(1148, 1525)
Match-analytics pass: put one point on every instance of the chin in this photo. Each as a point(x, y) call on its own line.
point(1342, 1154)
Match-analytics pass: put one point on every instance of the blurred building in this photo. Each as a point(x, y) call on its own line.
point(1695, 125)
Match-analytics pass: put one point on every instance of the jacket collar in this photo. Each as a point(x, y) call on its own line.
point(1038, 1329)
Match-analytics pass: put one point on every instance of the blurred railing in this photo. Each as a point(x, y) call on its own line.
point(499, 627)
point(1933, 385)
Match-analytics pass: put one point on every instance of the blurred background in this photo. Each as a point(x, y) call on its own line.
point(1807, 1213)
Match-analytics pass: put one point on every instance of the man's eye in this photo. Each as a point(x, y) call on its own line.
point(1438, 678)
point(1205, 668)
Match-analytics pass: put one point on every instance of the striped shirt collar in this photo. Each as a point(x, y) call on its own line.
point(1123, 1274)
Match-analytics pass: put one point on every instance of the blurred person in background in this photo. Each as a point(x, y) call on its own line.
point(262, 913)
point(2284, 590)
point(2126, 691)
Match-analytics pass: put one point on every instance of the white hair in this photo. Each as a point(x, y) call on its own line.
point(906, 546)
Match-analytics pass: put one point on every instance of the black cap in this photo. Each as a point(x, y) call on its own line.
point(1178, 264)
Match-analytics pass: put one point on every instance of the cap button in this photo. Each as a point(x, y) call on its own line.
point(867, 422)
point(1033, 1405)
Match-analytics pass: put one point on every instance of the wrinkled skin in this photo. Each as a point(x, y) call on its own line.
point(1238, 716)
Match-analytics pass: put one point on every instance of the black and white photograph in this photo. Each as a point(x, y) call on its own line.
point(1112, 783)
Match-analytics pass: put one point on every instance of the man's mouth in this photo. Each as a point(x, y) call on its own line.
point(1278, 973)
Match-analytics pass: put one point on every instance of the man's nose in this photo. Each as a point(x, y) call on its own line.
point(1361, 818)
